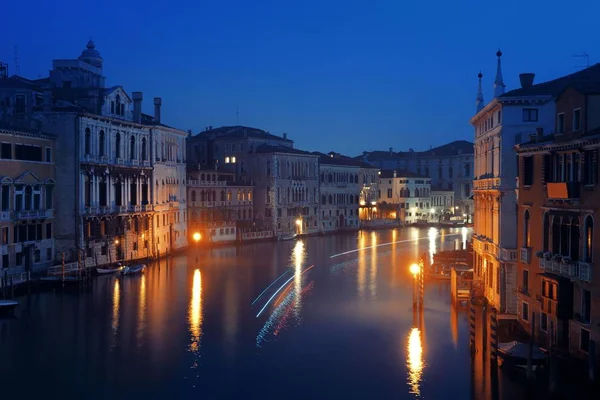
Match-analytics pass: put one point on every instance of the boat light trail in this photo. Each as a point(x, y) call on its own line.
point(278, 290)
point(385, 244)
point(268, 287)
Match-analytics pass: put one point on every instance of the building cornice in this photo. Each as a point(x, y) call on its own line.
point(33, 135)
point(544, 148)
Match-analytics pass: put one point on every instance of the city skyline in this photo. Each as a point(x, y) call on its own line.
point(254, 65)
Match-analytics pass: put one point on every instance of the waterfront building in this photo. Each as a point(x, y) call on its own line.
point(368, 179)
point(120, 179)
point(499, 125)
point(340, 191)
point(286, 189)
point(404, 196)
point(218, 205)
point(449, 166)
point(27, 188)
point(559, 197)
point(442, 204)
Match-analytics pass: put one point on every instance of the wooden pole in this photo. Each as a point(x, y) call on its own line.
point(530, 349)
point(472, 325)
point(494, 337)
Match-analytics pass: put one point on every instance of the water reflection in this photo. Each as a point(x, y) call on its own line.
point(298, 256)
point(464, 232)
point(195, 312)
point(115, 309)
point(415, 360)
point(362, 266)
point(373, 269)
point(432, 234)
point(142, 311)
point(414, 235)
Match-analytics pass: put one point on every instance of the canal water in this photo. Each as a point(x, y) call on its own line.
point(321, 318)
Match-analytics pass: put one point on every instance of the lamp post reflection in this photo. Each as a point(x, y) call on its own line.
point(142, 311)
point(362, 266)
point(116, 308)
point(373, 274)
point(197, 236)
point(414, 349)
point(195, 313)
point(298, 256)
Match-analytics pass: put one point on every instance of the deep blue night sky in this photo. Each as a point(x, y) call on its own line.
point(342, 76)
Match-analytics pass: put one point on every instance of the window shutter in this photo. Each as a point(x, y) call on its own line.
point(547, 168)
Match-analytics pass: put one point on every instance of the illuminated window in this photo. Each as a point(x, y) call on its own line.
point(226, 160)
point(233, 159)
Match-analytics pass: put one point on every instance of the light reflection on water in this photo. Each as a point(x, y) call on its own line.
point(432, 234)
point(414, 350)
point(115, 310)
point(298, 257)
point(362, 266)
point(141, 328)
point(195, 312)
point(373, 274)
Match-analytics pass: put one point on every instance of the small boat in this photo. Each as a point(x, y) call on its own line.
point(133, 269)
point(290, 237)
point(111, 269)
point(515, 354)
point(7, 306)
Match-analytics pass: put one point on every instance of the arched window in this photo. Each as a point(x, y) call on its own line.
point(202, 177)
point(144, 155)
point(132, 148)
point(589, 238)
point(249, 195)
point(526, 229)
point(118, 108)
point(193, 195)
point(87, 142)
point(323, 199)
point(407, 192)
point(101, 144)
point(268, 168)
point(228, 195)
point(118, 145)
point(28, 197)
point(330, 199)
point(222, 195)
point(202, 196)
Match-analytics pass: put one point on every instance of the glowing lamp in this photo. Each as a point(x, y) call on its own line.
point(415, 269)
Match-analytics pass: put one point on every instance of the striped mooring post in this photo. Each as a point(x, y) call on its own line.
point(472, 327)
point(421, 282)
point(494, 335)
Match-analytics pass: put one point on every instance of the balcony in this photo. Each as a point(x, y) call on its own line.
point(147, 207)
point(562, 191)
point(135, 162)
point(525, 255)
point(486, 184)
point(32, 214)
point(576, 270)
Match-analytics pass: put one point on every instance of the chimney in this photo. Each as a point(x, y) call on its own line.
point(285, 135)
point(526, 79)
point(395, 174)
point(391, 151)
point(157, 104)
point(540, 133)
point(137, 106)
point(47, 101)
point(189, 133)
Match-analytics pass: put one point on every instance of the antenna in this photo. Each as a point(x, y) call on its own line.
point(17, 68)
point(587, 59)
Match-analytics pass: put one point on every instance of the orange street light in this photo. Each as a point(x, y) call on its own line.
point(197, 236)
point(415, 269)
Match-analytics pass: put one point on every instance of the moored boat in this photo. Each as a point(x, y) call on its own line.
point(7, 306)
point(289, 237)
point(111, 269)
point(133, 269)
point(515, 354)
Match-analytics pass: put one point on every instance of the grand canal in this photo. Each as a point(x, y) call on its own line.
point(323, 317)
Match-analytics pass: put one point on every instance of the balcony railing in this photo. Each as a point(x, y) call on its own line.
point(576, 270)
point(486, 184)
point(525, 255)
point(31, 214)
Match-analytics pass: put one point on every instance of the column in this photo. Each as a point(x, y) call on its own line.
point(126, 190)
point(109, 191)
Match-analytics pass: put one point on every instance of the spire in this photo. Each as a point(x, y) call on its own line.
point(479, 94)
point(499, 82)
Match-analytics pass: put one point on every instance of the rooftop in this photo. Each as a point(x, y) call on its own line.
point(450, 149)
point(267, 148)
point(333, 158)
point(586, 79)
point(239, 131)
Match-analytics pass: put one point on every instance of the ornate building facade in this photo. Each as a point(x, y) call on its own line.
point(120, 179)
point(27, 189)
point(404, 196)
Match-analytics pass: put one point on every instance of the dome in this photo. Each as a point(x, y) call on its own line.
point(91, 56)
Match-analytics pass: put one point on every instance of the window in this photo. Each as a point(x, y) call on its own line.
point(468, 170)
point(525, 311)
point(389, 193)
point(20, 104)
point(544, 322)
point(526, 229)
point(577, 119)
point(560, 123)
point(132, 148)
point(49, 194)
point(530, 114)
point(226, 160)
point(4, 235)
point(450, 172)
point(586, 304)
point(5, 198)
point(28, 153)
point(88, 138)
point(528, 171)
point(546, 231)
point(525, 288)
point(589, 238)
point(101, 144)
point(118, 145)
point(233, 160)
point(590, 170)
point(49, 230)
point(6, 151)
point(584, 340)
point(144, 155)
point(48, 154)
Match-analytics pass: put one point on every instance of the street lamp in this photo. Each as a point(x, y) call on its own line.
point(299, 225)
point(415, 270)
point(196, 236)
